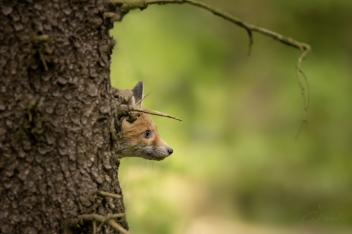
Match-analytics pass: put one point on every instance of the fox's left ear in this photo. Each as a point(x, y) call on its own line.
point(138, 93)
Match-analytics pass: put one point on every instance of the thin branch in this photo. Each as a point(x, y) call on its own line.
point(250, 41)
point(299, 71)
point(142, 4)
point(306, 98)
point(142, 99)
point(43, 60)
point(304, 123)
point(153, 112)
point(109, 217)
point(131, 5)
point(102, 219)
point(41, 40)
point(94, 223)
point(107, 194)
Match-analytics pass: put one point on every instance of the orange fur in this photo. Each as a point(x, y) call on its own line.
point(141, 138)
point(136, 144)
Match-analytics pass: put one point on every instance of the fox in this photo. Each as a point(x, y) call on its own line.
point(141, 138)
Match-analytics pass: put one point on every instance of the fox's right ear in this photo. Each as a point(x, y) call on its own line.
point(138, 93)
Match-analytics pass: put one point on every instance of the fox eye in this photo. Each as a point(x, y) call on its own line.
point(146, 134)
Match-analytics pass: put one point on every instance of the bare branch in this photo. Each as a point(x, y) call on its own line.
point(131, 5)
point(306, 98)
point(142, 99)
point(43, 60)
point(140, 4)
point(108, 218)
point(153, 112)
point(94, 223)
point(250, 41)
point(102, 219)
point(107, 194)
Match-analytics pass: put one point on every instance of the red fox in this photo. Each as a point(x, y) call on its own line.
point(140, 138)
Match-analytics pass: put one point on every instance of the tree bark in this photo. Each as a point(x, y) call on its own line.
point(56, 112)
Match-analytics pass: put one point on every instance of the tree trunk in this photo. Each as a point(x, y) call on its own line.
point(56, 111)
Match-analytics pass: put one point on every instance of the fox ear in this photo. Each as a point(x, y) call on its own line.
point(138, 93)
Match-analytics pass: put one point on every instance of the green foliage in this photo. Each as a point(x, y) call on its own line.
point(235, 157)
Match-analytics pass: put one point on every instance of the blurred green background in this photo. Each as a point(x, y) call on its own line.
point(236, 167)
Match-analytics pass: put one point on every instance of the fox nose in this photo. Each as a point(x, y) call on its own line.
point(169, 150)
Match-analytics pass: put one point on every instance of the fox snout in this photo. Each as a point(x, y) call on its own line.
point(141, 139)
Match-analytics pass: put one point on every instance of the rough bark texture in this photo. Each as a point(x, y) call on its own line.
point(56, 109)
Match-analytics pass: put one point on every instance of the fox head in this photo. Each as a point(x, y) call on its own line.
point(140, 138)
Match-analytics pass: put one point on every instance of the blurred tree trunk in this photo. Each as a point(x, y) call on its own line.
point(56, 108)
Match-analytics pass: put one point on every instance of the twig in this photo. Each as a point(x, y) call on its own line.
point(142, 99)
point(94, 227)
point(107, 194)
point(114, 216)
point(250, 41)
point(131, 5)
point(153, 112)
point(101, 219)
point(43, 60)
point(41, 40)
point(306, 99)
